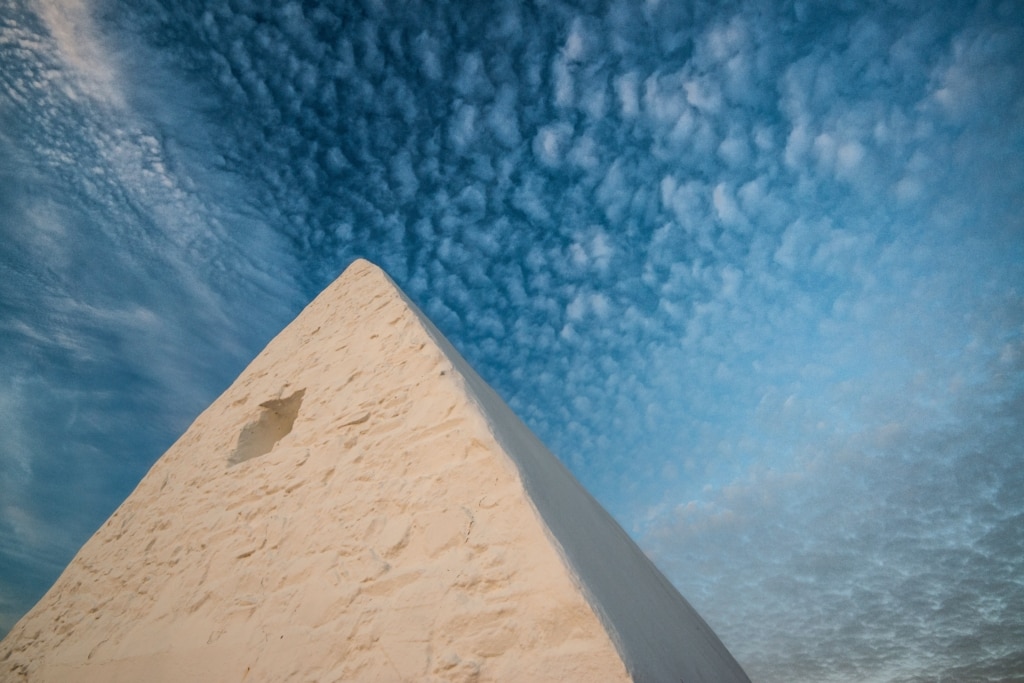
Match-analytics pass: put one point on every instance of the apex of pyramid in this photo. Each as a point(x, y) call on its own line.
point(360, 267)
point(360, 505)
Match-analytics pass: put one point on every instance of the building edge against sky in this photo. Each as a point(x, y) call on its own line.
point(360, 382)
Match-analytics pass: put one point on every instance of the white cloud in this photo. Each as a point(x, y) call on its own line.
point(428, 52)
point(81, 47)
point(551, 143)
point(731, 279)
point(613, 193)
point(798, 143)
point(575, 47)
point(796, 244)
point(471, 80)
point(686, 201)
point(849, 158)
point(584, 153)
point(564, 83)
point(463, 127)
point(529, 198)
point(726, 209)
point(594, 99)
point(703, 93)
point(627, 89)
point(404, 177)
point(577, 308)
point(665, 98)
point(734, 150)
point(503, 117)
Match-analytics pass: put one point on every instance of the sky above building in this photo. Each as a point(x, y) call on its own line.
point(753, 270)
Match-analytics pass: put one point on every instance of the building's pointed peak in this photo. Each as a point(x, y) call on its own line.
point(360, 505)
point(363, 268)
point(362, 264)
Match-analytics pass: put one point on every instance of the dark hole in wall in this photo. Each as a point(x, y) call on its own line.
point(274, 422)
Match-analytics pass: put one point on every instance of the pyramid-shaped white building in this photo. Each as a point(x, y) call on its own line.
point(360, 506)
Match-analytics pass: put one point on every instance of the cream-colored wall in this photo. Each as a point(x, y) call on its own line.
point(385, 538)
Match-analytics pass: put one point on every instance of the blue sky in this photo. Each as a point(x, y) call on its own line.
point(753, 270)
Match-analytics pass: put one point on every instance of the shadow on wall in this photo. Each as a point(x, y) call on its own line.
point(274, 422)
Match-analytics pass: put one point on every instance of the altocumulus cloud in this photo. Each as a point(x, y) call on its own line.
point(752, 271)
